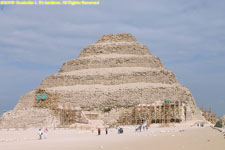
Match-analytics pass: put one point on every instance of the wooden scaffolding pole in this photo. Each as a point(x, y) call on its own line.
point(179, 109)
point(176, 112)
point(141, 114)
point(122, 118)
point(156, 114)
point(126, 117)
point(163, 114)
point(169, 113)
point(136, 115)
point(133, 116)
point(150, 115)
point(146, 112)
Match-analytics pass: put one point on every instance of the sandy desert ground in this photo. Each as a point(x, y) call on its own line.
point(174, 138)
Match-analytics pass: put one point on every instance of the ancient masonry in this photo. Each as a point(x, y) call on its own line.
point(113, 81)
point(223, 121)
point(208, 115)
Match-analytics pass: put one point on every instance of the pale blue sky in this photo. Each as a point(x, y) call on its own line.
point(188, 36)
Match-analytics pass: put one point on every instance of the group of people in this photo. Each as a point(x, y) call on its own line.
point(141, 127)
point(99, 131)
point(43, 133)
point(120, 130)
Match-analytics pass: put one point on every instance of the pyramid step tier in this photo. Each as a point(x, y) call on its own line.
point(27, 118)
point(110, 76)
point(135, 48)
point(123, 95)
point(111, 60)
point(122, 37)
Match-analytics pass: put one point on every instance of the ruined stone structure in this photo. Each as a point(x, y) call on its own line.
point(114, 73)
point(220, 122)
point(209, 115)
point(223, 120)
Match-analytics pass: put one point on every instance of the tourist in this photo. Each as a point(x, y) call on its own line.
point(40, 133)
point(138, 128)
point(99, 131)
point(146, 128)
point(45, 133)
point(120, 130)
point(106, 130)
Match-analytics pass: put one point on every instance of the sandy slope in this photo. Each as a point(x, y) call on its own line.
point(179, 138)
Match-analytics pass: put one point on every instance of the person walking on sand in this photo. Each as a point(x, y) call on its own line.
point(99, 131)
point(106, 130)
point(40, 134)
point(146, 128)
point(45, 133)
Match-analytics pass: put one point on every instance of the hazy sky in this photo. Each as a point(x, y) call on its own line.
point(188, 36)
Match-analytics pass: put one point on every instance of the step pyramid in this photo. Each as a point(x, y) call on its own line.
point(115, 72)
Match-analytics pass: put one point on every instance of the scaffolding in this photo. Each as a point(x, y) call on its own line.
point(69, 115)
point(163, 114)
point(209, 115)
point(44, 99)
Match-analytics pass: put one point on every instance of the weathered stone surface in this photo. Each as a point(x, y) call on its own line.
point(26, 101)
point(110, 76)
point(223, 118)
point(223, 121)
point(28, 118)
point(111, 60)
point(115, 72)
point(122, 37)
point(134, 48)
point(220, 122)
point(124, 95)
